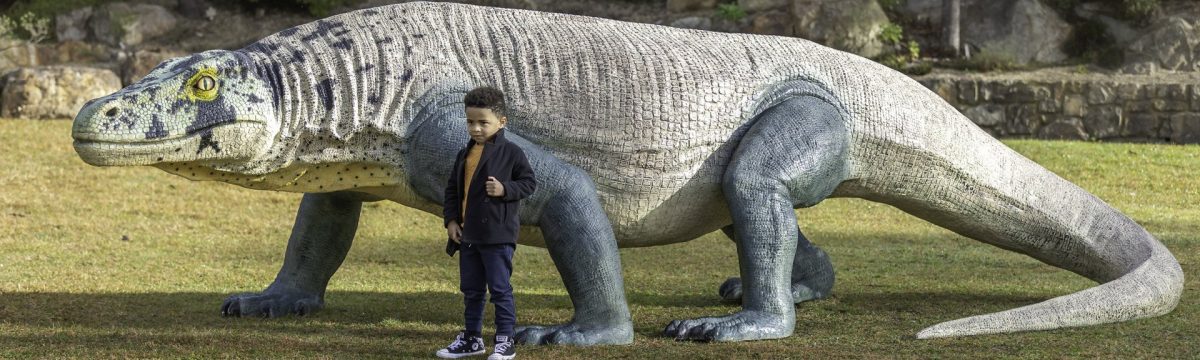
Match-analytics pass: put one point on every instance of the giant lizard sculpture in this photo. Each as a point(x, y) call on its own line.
point(641, 135)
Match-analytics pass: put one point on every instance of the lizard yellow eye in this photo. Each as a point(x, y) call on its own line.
point(206, 83)
point(203, 85)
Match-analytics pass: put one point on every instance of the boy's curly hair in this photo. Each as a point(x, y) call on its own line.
point(486, 97)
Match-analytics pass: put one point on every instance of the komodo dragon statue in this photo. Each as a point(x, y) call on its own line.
point(640, 135)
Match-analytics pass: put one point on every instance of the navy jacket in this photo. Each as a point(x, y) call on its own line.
point(490, 220)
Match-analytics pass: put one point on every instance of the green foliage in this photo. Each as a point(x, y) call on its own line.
point(900, 55)
point(320, 8)
point(731, 11)
point(49, 8)
point(29, 27)
point(891, 34)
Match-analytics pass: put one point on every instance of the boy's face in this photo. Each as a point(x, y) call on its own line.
point(482, 123)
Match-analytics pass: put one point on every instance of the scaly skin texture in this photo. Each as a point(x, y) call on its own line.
point(641, 135)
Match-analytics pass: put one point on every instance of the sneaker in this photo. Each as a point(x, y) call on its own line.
point(505, 349)
point(462, 347)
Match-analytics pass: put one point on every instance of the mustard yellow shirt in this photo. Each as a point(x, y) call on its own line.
point(468, 172)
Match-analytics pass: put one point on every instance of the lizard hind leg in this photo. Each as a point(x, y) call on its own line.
point(794, 155)
point(812, 273)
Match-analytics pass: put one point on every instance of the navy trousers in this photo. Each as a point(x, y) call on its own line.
point(483, 269)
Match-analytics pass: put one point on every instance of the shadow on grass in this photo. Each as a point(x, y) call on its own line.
point(349, 310)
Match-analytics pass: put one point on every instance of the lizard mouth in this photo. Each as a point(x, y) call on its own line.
point(224, 141)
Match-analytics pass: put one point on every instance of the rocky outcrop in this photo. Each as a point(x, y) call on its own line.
point(1023, 31)
point(53, 92)
point(1172, 44)
point(849, 25)
point(73, 25)
point(121, 24)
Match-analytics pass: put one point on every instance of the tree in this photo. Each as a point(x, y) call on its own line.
point(951, 26)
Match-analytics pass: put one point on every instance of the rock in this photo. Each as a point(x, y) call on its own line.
point(1067, 129)
point(848, 25)
point(1142, 126)
point(121, 24)
point(72, 26)
point(1121, 32)
point(16, 54)
point(693, 22)
point(1104, 121)
point(54, 92)
point(142, 61)
point(1166, 46)
point(1024, 30)
point(762, 5)
point(1185, 128)
point(690, 5)
point(772, 23)
point(76, 52)
point(986, 115)
point(193, 9)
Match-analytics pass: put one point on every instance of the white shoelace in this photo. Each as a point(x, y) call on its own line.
point(502, 347)
point(457, 344)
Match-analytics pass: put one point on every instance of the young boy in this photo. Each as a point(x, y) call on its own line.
point(489, 178)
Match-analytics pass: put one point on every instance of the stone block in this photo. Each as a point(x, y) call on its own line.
point(1185, 128)
point(1021, 119)
point(986, 115)
point(1104, 121)
point(1074, 105)
point(1130, 92)
point(1063, 129)
point(1100, 94)
point(968, 91)
point(54, 92)
point(1141, 126)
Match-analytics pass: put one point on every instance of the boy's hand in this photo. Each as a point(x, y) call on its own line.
point(494, 188)
point(454, 232)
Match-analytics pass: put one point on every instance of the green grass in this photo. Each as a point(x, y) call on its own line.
point(71, 287)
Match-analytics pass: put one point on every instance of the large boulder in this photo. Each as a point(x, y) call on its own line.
point(848, 25)
point(54, 92)
point(73, 25)
point(1023, 30)
point(763, 5)
point(1169, 45)
point(122, 24)
point(136, 66)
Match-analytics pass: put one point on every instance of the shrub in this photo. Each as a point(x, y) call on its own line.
point(731, 11)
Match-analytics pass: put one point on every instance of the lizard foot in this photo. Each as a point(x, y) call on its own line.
point(576, 334)
point(271, 304)
point(740, 326)
point(802, 291)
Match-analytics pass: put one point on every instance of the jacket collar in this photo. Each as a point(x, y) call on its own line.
point(497, 139)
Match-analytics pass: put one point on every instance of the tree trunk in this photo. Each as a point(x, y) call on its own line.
point(951, 25)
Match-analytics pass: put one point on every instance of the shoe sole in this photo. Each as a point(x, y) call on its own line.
point(510, 357)
point(445, 355)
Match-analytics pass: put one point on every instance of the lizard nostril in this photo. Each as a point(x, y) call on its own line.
point(111, 112)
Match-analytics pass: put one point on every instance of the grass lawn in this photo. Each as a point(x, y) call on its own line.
point(134, 262)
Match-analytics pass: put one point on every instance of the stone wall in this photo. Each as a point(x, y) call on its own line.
point(1059, 104)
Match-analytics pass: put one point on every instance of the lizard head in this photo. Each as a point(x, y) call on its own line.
point(211, 107)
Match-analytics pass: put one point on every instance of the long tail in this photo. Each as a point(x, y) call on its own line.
point(977, 187)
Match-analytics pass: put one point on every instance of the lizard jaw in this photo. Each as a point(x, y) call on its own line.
point(225, 142)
